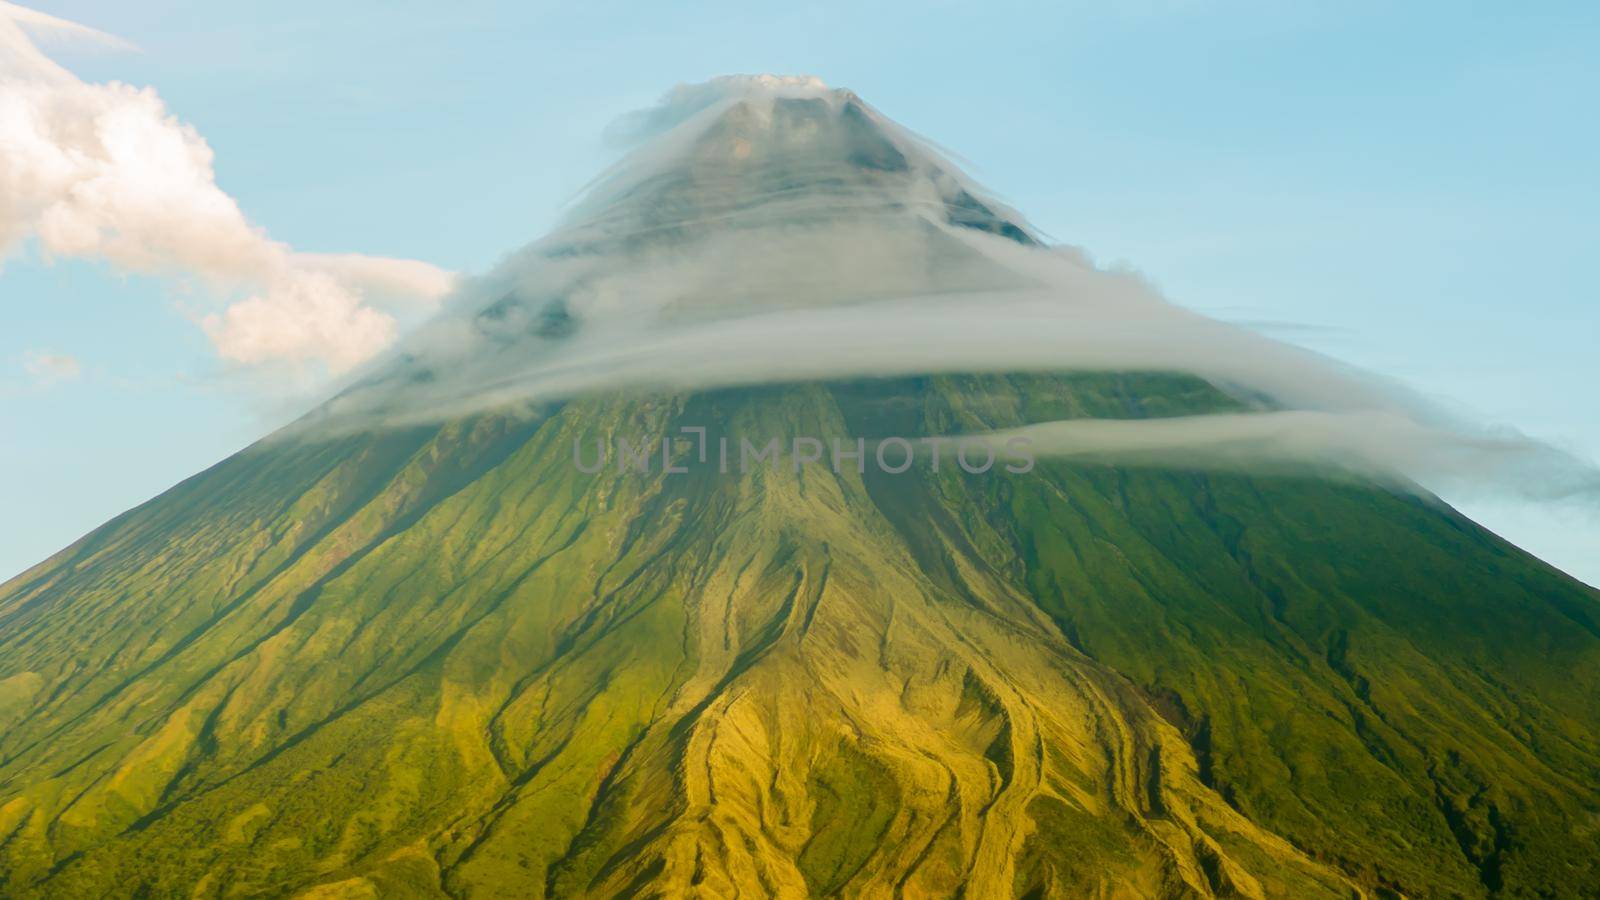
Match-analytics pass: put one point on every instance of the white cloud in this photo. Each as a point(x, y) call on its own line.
point(48, 368)
point(745, 243)
point(18, 55)
point(1368, 443)
point(308, 316)
point(105, 171)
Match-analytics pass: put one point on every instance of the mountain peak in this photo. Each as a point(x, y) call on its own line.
point(768, 81)
point(744, 150)
point(744, 194)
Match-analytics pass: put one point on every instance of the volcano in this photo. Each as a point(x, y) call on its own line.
point(453, 634)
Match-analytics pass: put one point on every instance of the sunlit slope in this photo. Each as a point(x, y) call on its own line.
point(443, 661)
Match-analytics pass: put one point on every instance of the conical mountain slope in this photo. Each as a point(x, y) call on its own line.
point(440, 658)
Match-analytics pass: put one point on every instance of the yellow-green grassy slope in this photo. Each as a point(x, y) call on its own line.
point(444, 662)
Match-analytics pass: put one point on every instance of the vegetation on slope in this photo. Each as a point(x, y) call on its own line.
point(444, 662)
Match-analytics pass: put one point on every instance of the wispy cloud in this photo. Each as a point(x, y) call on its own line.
point(46, 368)
point(106, 171)
point(1371, 444)
point(736, 246)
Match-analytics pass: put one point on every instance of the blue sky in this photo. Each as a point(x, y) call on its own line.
point(1409, 187)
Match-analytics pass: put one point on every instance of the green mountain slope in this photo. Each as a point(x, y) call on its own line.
point(443, 661)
